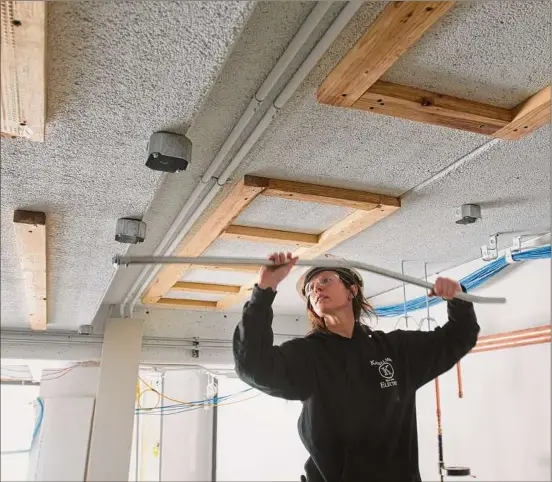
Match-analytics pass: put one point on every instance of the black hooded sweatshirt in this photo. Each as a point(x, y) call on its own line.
point(358, 421)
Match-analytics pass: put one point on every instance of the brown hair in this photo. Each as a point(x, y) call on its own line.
point(360, 306)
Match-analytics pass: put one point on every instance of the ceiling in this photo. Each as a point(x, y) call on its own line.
point(102, 109)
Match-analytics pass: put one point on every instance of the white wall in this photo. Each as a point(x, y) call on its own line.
point(61, 449)
point(501, 428)
point(257, 438)
point(187, 437)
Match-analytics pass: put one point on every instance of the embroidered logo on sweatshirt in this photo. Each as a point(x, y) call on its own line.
point(387, 372)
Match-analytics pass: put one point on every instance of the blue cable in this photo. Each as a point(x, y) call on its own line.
point(177, 408)
point(472, 281)
point(38, 423)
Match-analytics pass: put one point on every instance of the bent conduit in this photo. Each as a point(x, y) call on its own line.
point(326, 263)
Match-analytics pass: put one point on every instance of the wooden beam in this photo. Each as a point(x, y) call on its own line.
point(30, 235)
point(23, 69)
point(432, 108)
point(396, 29)
point(316, 193)
point(350, 226)
point(242, 194)
point(528, 116)
point(263, 235)
point(205, 287)
point(184, 303)
point(243, 268)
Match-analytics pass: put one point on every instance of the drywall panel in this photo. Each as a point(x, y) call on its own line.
point(257, 439)
point(303, 217)
point(63, 441)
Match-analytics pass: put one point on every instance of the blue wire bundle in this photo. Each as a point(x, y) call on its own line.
point(472, 281)
point(189, 406)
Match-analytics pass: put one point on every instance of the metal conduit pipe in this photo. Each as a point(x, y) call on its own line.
point(147, 275)
point(172, 237)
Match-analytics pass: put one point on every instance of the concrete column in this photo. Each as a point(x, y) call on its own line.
point(111, 438)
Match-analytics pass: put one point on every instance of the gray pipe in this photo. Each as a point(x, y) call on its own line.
point(325, 263)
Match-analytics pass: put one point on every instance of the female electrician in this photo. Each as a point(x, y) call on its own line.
point(357, 385)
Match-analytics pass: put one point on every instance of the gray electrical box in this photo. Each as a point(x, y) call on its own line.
point(169, 152)
point(130, 231)
point(468, 214)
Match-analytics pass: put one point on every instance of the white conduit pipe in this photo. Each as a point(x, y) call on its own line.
point(147, 276)
point(326, 263)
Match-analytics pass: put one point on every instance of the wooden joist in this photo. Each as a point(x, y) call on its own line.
point(431, 108)
point(184, 303)
point(316, 193)
point(276, 236)
point(205, 287)
point(369, 208)
point(238, 199)
point(528, 116)
point(396, 29)
point(348, 227)
point(354, 82)
point(23, 69)
point(30, 235)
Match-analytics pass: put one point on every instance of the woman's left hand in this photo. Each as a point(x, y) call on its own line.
point(445, 288)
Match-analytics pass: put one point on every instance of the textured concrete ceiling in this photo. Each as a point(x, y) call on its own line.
point(347, 148)
point(117, 71)
point(494, 52)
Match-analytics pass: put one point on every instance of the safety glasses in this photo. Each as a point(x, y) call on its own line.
point(322, 281)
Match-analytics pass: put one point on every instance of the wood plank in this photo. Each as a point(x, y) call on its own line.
point(528, 116)
point(205, 287)
point(183, 303)
point(243, 268)
point(30, 235)
point(316, 193)
point(348, 227)
point(428, 107)
point(23, 69)
point(241, 195)
point(396, 29)
point(262, 235)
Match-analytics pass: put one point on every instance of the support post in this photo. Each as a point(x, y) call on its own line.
point(111, 439)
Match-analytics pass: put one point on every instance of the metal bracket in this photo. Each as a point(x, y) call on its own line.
point(195, 349)
point(490, 251)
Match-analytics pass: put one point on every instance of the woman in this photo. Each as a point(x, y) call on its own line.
point(357, 386)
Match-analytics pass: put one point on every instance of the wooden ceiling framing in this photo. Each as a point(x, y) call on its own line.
point(368, 209)
point(354, 82)
point(23, 69)
point(30, 237)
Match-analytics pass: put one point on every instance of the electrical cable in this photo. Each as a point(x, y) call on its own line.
point(470, 282)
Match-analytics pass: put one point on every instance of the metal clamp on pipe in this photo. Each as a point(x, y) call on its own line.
point(323, 263)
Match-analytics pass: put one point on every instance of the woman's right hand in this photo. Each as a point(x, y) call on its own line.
point(272, 276)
